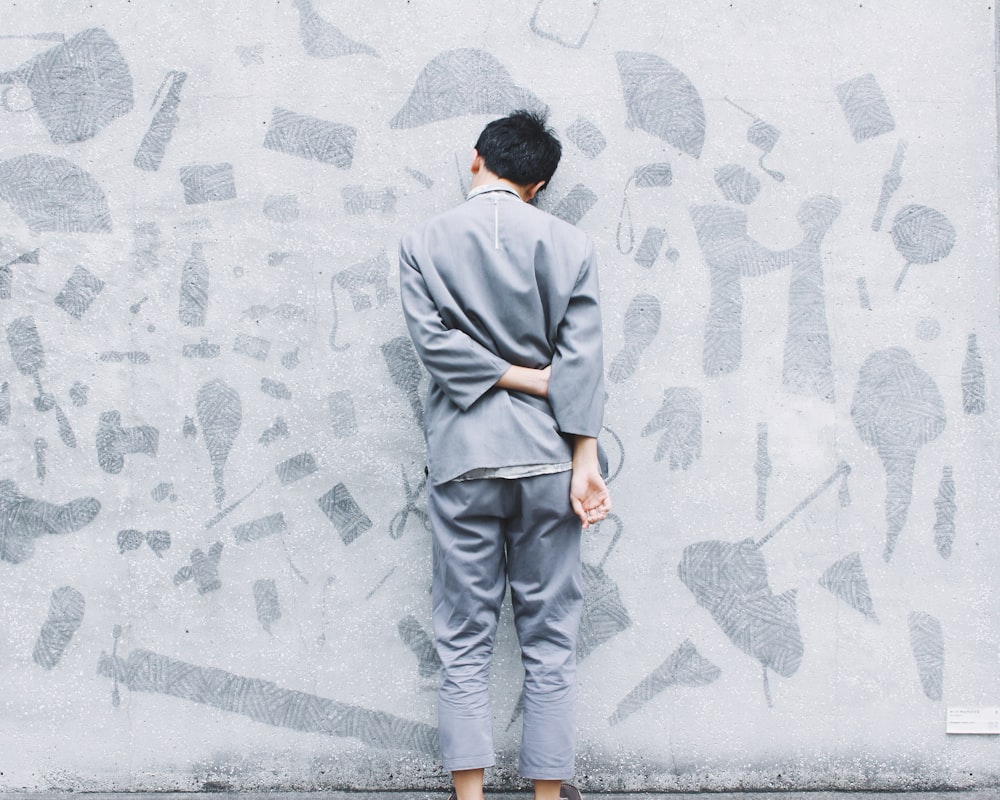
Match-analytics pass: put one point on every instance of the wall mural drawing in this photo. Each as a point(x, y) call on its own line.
point(406, 371)
point(193, 304)
point(40, 447)
point(360, 280)
point(846, 579)
point(864, 299)
point(321, 39)
point(737, 184)
point(643, 177)
point(397, 526)
point(204, 349)
point(153, 147)
point(275, 389)
point(459, 82)
point(764, 137)
point(422, 178)
point(661, 100)
point(415, 637)
point(132, 539)
point(587, 137)
point(730, 580)
point(343, 420)
point(114, 442)
point(255, 347)
point(566, 22)
point(679, 417)
point(684, 667)
point(310, 138)
point(282, 208)
point(266, 702)
point(260, 528)
point(945, 510)
point(208, 183)
point(265, 597)
point(52, 194)
point(897, 409)
point(574, 204)
point(641, 324)
point(278, 430)
point(146, 246)
point(865, 108)
point(927, 643)
point(203, 569)
point(119, 356)
point(731, 253)
point(973, 378)
point(23, 519)
point(343, 511)
point(4, 403)
point(295, 468)
point(358, 200)
point(66, 608)
point(891, 182)
point(7, 274)
point(762, 468)
point(220, 413)
point(78, 87)
point(649, 247)
point(922, 235)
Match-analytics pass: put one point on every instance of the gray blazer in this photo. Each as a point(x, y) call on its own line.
point(488, 284)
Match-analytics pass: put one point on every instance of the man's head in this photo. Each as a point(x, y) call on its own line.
point(519, 148)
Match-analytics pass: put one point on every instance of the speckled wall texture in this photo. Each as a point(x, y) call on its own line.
point(214, 556)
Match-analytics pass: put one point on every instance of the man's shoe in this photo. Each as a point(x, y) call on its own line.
point(569, 792)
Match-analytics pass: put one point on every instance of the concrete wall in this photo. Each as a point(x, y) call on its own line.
point(215, 564)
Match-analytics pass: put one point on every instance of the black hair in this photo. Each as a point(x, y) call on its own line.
point(520, 148)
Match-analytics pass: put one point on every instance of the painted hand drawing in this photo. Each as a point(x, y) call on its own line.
point(897, 409)
point(115, 442)
point(730, 581)
point(684, 667)
point(220, 413)
point(321, 39)
point(78, 87)
point(52, 194)
point(679, 417)
point(922, 235)
point(266, 702)
point(311, 138)
point(764, 137)
point(846, 579)
point(643, 177)
point(927, 643)
point(66, 608)
point(641, 323)
point(865, 109)
point(661, 100)
point(23, 519)
point(459, 82)
point(891, 182)
point(153, 147)
point(945, 510)
point(567, 22)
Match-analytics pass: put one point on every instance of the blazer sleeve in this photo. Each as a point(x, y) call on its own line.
point(463, 368)
point(576, 385)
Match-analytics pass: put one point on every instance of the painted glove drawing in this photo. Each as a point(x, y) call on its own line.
point(679, 417)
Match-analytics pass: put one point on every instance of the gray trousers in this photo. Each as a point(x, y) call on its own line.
point(486, 533)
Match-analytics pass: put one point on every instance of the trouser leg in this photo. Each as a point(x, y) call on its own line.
point(545, 575)
point(467, 592)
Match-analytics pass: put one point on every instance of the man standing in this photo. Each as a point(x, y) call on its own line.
point(501, 300)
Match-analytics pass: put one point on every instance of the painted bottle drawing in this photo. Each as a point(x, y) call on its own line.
point(154, 144)
point(194, 288)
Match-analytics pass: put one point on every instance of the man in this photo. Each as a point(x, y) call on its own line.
point(501, 300)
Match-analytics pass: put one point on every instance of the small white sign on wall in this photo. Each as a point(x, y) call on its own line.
point(974, 720)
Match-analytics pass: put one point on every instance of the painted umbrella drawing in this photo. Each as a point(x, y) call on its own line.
point(730, 580)
point(661, 100)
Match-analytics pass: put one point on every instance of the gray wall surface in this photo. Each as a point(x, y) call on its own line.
point(214, 559)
